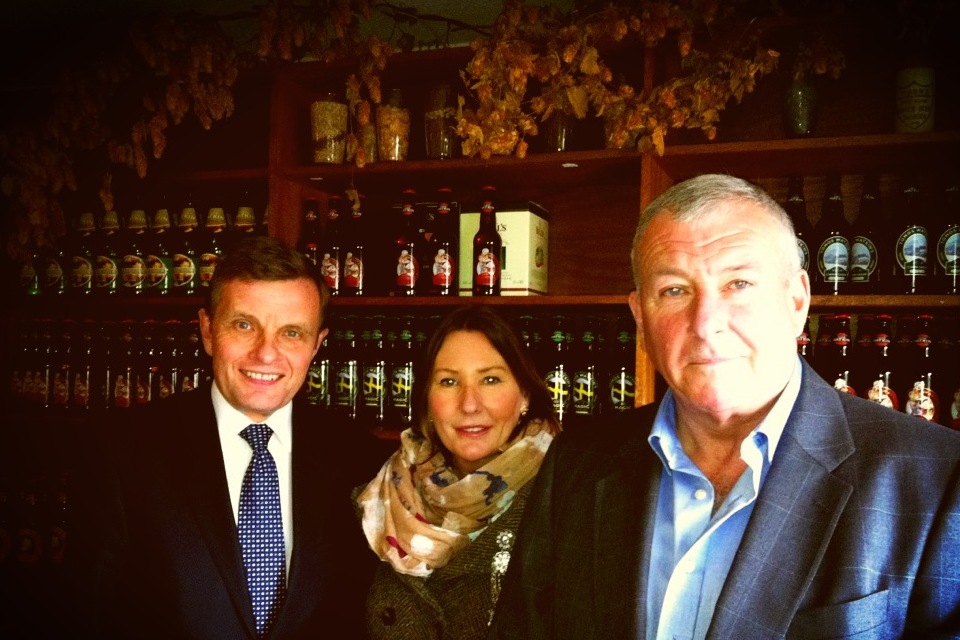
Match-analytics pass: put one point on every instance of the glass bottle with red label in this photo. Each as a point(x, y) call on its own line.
point(922, 398)
point(186, 258)
point(444, 247)
point(354, 261)
point(487, 249)
point(882, 379)
point(330, 259)
point(159, 254)
point(406, 248)
point(310, 230)
point(841, 371)
point(106, 266)
point(213, 243)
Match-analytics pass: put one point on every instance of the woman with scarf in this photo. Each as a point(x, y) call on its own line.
point(443, 510)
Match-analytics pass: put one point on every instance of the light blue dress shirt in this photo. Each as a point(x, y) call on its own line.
point(692, 546)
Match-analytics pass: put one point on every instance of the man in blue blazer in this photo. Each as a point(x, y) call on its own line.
point(754, 501)
point(166, 560)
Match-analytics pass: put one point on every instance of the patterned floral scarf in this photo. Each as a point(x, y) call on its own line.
point(417, 513)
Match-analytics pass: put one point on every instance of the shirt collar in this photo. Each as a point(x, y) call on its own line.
point(231, 421)
point(666, 445)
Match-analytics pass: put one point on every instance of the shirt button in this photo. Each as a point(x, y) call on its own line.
point(700, 494)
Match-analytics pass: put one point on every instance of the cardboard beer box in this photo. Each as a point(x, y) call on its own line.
point(524, 231)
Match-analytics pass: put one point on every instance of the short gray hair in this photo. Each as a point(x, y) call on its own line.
point(698, 197)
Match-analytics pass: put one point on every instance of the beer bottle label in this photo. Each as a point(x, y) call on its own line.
point(81, 272)
point(81, 389)
point(863, 259)
point(121, 390)
point(488, 268)
point(58, 544)
point(51, 278)
point(133, 272)
point(408, 269)
point(803, 249)
point(584, 393)
point(208, 262)
point(330, 267)
point(60, 395)
point(374, 385)
point(157, 272)
point(881, 393)
point(184, 270)
point(29, 546)
point(912, 251)
point(948, 251)
point(841, 384)
point(165, 387)
point(954, 420)
point(346, 384)
point(401, 386)
point(318, 383)
point(353, 271)
point(105, 272)
point(922, 402)
point(621, 390)
point(444, 268)
point(558, 384)
point(833, 259)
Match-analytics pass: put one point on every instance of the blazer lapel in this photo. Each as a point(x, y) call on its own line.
point(623, 528)
point(792, 522)
point(205, 492)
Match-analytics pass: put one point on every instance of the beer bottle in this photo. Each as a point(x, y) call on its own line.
point(317, 384)
point(84, 366)
point(948, 355)
point(354, 243)
point(330, 253)
point(46, 354)
point(903, 354)
point(149, 363)
point(804, 343)
point(52, 267)
point(186, 256)
point(862, 351)
point(833, 253)
point(530, 336)
point(842, 372)
point(881, 367)
point(867, 246)
point(407, 247)
point(310, 236)
point(29, 537)
point(621, 379)
point(159, 259)
point(948, 244)
point(346, 381)
point(444, 247)
point(375, 374)
point(823, 351)
point(169, 350)
point(912, 269)
point(245, 221)
point(105, 344)
point(62, 361)
point(559, 368)
point(922, 398)
point(133, 264)
point(487, 249)
point(213, 242)
point(192, 365)
point(124, 383)
point(82, 257)
point(402, 374)
point(28, 282)
point(796, 208)
point(57, 522)
point(106, 266)
point(587, 354)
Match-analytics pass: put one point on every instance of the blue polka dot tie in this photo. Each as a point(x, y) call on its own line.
point(261, 530)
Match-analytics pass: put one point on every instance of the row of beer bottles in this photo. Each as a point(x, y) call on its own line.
point(162, 253)
point(910, 363)
point(369, 366)
point(33, 520)
point(907, 245)
point(417, 255)
point(85, 365)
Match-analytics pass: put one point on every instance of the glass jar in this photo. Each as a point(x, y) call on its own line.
point(393, 128)
point(328, 126)
point(368, 141)
point(800, 108)
point(439, 122)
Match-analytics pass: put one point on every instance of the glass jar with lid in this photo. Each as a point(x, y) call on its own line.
point(328, 126)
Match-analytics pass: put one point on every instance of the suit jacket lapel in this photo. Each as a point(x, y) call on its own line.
point(792, 522)
point(204, 488)
point(623, 532)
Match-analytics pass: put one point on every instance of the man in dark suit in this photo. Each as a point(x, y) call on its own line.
point(169, 561)
point(753, 501)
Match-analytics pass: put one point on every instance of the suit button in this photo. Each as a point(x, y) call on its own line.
point(388, 616)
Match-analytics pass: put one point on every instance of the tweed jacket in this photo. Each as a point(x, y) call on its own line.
point(454, 602)
point(855, 532)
